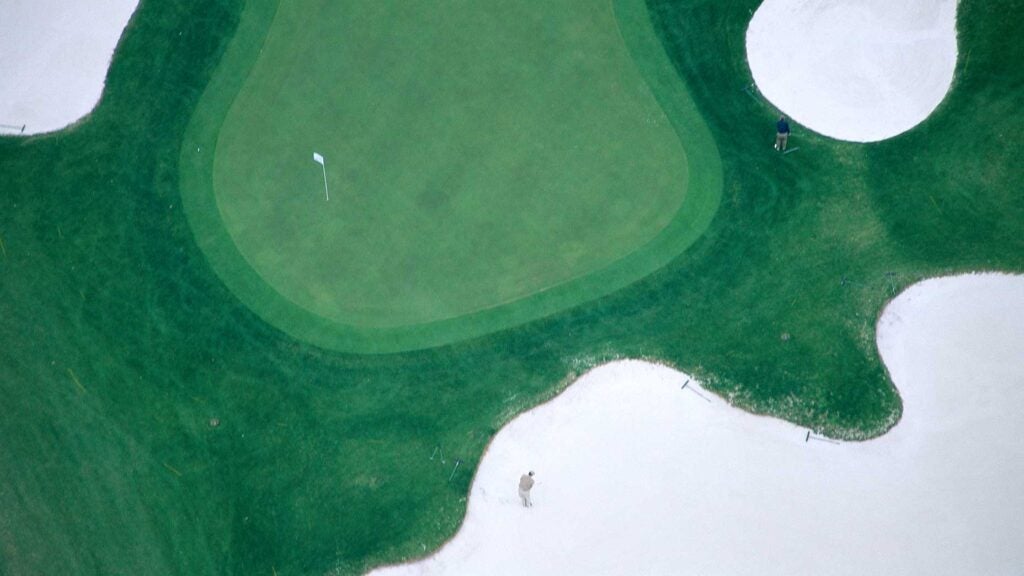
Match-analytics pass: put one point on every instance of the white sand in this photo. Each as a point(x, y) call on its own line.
point(54, 56)
point(636, 476)
point(860, 70)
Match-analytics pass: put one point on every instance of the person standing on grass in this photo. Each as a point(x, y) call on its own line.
point(781, 134)
point(525, 484)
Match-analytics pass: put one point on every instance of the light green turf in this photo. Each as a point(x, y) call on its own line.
point(488, 165)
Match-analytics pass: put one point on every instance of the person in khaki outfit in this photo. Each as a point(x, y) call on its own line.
point(525, 484)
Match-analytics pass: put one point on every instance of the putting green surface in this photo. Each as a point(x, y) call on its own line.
point(487, 165)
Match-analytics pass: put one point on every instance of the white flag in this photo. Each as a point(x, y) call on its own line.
point(318, 158)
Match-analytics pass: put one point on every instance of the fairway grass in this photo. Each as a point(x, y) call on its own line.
point(488, 166)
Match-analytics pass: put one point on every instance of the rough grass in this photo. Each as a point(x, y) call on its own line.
point(118, 343)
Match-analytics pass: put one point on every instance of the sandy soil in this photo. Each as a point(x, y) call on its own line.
point(636, 475)
point(863, 70)
point(54, 56)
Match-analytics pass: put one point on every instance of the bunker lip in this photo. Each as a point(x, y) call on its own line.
point(857, 71)
point(55, 55)
point(635, 457)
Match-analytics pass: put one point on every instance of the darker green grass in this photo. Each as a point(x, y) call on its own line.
point(322, 460)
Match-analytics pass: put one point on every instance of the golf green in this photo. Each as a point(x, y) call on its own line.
point(485, 165)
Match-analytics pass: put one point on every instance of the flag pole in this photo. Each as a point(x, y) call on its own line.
point(326, 193)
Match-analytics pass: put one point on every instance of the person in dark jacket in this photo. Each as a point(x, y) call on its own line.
point(781, 133)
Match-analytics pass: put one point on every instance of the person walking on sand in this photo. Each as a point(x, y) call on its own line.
point(781, 134)
point(525, 484)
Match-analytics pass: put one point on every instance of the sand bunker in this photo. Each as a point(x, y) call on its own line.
point(860, 70)
point(54, 56)
point(638, 476)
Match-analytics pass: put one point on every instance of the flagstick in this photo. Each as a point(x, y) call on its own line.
point(326, 193)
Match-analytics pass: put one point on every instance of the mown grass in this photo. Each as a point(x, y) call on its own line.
point(118, 343)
